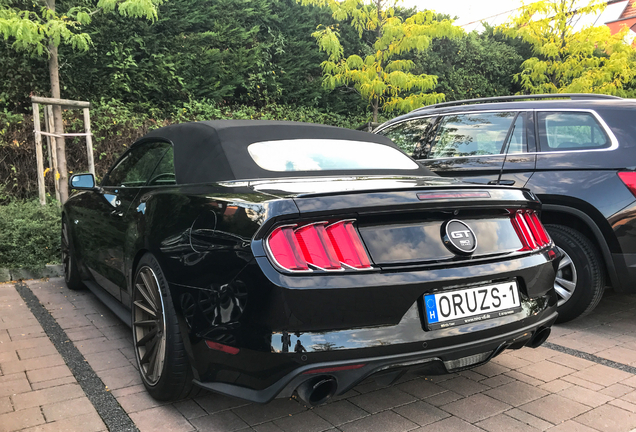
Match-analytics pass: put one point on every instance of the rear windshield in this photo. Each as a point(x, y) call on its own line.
point(327, 155)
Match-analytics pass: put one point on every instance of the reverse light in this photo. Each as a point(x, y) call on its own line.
point(530, 230)
point(318, 245)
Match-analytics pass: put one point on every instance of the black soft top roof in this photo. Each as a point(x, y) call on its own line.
point(212, 151)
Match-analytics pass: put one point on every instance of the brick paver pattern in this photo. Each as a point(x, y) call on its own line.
point(525, 390)
point(37, 390)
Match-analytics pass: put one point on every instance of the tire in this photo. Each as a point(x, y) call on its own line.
point(72, 276)
point(158, 344)
point(581, 277)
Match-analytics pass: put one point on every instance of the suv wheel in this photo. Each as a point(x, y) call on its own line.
point(580, 279)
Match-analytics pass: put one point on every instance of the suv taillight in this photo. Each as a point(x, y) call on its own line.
point(530, 230)
point(629, 178)
point(320, 245)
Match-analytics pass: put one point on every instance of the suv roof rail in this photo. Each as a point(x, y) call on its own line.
point(582, 96)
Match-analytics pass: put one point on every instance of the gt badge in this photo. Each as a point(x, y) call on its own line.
point(458, 237)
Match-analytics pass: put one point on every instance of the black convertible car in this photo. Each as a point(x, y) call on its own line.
point(270, 259)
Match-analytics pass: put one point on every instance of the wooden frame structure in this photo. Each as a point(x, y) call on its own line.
point(51, 133)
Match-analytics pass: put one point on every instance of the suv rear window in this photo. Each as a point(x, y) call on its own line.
point(326, 155)
point(564, 131)
point(474, 134)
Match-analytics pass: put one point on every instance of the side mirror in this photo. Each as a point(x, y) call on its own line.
point(82, 181)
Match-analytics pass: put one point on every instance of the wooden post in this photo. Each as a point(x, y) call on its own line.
point(53, 150)
point(89, 141)
point(55, 125)
point(38, 153)
point(61, 102)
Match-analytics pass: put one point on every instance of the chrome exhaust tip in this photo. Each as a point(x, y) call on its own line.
point(317, 391)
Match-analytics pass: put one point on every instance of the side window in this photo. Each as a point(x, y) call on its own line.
point(164, 173)
point(563, 131)
point(517, 143)
point(474, 134)
point(409, 135)
point(135, 168)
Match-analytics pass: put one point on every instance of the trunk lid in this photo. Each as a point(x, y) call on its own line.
point(404, 220)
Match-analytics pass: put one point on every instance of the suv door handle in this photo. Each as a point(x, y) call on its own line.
point(502, 182)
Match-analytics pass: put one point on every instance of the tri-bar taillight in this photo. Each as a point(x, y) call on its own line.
point(319, 245)
point(530, 230)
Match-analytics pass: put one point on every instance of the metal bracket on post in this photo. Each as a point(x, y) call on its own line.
point(50, 127)
point(89, 141)
point(38, 153)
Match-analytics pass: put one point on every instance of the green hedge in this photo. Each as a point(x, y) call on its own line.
point(29, 234)
point(116, 125)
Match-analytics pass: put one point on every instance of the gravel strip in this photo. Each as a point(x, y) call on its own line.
point(591, 357)
point(104, 402)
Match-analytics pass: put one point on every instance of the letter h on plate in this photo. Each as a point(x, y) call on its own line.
point(431, 308)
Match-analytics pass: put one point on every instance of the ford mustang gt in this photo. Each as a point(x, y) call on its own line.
point(267, 259)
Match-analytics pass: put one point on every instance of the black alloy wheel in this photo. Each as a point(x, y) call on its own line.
point(71, 274)
point(159, 350)
point(580, 278)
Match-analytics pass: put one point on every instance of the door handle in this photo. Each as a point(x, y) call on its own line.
point(502, 182)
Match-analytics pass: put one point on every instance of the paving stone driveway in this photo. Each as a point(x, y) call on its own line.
point(553, 388)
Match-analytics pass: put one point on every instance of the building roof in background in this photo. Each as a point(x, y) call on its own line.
point(471, 15)
point(629, 11)
point(626, 18)
point(618, 10)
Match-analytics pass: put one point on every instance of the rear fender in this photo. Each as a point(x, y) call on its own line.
point(575, 218)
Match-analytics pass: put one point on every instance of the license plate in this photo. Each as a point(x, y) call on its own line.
point(470, 305)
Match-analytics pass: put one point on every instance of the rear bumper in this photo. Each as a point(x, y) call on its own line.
point(428, 361)
point(293, 324)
